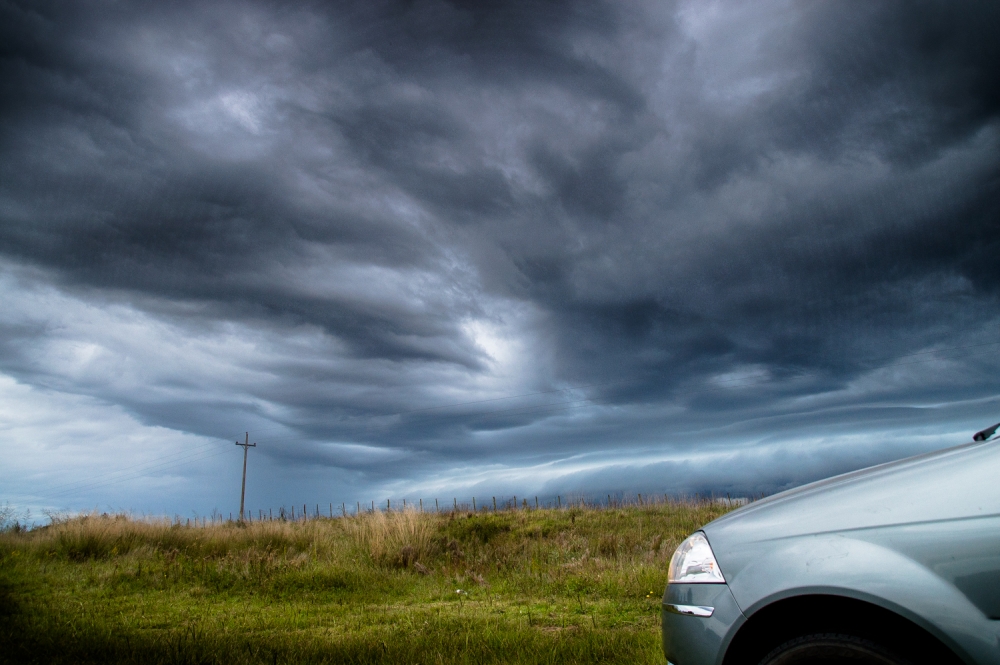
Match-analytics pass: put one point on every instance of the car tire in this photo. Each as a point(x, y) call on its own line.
point(831, 648)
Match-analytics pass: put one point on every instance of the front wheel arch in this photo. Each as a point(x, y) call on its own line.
point(785, 619)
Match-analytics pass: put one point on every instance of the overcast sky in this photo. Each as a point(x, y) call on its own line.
point(444, 249)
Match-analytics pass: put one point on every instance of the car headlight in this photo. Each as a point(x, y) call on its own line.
point(694, 563)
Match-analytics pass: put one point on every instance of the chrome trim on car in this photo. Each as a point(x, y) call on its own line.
point(689, 610)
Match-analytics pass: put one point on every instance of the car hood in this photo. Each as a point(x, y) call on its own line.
point(957, 482)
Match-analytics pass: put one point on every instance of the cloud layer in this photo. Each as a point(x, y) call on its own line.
point(415, 246)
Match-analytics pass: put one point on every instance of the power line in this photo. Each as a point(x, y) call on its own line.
point(176, 454)
point(139, 474)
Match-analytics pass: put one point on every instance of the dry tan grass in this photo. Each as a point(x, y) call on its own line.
point(397, 538)
point(98, 535)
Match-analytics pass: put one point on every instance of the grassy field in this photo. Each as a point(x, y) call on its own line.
point(570, 585)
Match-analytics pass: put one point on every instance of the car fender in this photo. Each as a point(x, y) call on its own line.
point(844, 565)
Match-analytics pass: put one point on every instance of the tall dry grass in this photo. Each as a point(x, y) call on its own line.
point(102, 535)
point(396, 538)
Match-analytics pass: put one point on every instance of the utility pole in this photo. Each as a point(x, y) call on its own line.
point(246, 446)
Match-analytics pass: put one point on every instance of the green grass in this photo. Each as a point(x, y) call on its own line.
point(576, 585)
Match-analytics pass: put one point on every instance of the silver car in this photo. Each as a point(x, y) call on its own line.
point(895, 564)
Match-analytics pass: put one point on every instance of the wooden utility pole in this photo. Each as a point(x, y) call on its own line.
point(246, 446)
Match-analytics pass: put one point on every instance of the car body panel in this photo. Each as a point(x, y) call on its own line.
point(919, 537)
point(955, 483)
point(839, 565)
point(973, 569)
point(699, 639)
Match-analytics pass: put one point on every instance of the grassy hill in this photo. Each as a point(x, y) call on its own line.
point(571, 585)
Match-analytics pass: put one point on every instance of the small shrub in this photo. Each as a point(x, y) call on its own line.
point(480, 528)
point(609, 546)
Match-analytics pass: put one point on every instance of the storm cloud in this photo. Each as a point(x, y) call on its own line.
point(446, 247)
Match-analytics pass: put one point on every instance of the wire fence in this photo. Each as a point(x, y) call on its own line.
point(472, 506)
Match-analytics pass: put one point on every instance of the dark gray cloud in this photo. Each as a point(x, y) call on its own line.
point(415, 242)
